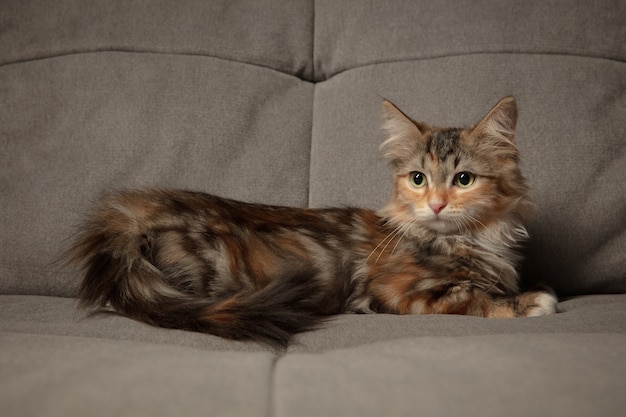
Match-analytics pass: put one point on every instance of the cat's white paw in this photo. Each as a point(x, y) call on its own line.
point(545, 303)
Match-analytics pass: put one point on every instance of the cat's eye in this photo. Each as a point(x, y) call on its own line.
point(417, 179)
point(464, 179)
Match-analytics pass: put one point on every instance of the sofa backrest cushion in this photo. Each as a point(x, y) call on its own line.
point(279, 102)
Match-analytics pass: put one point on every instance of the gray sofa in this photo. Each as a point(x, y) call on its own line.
point(279, 102)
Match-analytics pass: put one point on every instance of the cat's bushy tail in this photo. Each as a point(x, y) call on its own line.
point(117, 275)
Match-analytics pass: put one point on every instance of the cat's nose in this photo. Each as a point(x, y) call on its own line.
point(437, 206)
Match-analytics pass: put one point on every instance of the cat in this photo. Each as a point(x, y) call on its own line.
point(446, 242)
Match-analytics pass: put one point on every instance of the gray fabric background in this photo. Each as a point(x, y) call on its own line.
point(279, 102)
point(276, 34)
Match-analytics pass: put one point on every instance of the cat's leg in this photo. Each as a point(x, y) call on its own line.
point(438, 296)
point(528, 304)
point(463, 299)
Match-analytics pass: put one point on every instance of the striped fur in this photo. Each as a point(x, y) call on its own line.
point(189, 260)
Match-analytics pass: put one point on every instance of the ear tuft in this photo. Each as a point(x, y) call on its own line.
point(403, 134)
point(500, 122)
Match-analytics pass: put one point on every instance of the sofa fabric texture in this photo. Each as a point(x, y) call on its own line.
point(279, 102)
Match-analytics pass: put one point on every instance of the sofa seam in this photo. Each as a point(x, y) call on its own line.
point(314, 94)
point(462, 54)
point(271, 403)
point(147, 52)
point(313, 71)
point(313, 33)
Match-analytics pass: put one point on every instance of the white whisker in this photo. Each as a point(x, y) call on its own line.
point(402, 228)
point(497, 281)
point(389, 236)
point(397, 231)
point(469, 221)
point(406, 227)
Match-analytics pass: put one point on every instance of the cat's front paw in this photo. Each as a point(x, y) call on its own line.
point(544, 303)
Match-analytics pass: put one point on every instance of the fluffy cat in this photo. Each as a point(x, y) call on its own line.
point(445, 243)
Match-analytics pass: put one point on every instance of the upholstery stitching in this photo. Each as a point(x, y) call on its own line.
point(139, 51)
point(455, 55)
point(313, 71)
point(312, 101)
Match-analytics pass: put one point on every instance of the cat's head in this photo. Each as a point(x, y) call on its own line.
point(451, 180)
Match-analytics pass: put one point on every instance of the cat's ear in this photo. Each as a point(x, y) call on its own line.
point(500, 122)
point(403, 134)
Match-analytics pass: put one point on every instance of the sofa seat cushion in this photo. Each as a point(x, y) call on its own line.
point(361, 365)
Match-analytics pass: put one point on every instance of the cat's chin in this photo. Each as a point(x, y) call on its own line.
point(441, 226)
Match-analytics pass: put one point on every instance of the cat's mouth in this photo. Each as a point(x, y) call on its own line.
point(442, 225)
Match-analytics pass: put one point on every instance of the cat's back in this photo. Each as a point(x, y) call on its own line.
point(168, 208)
